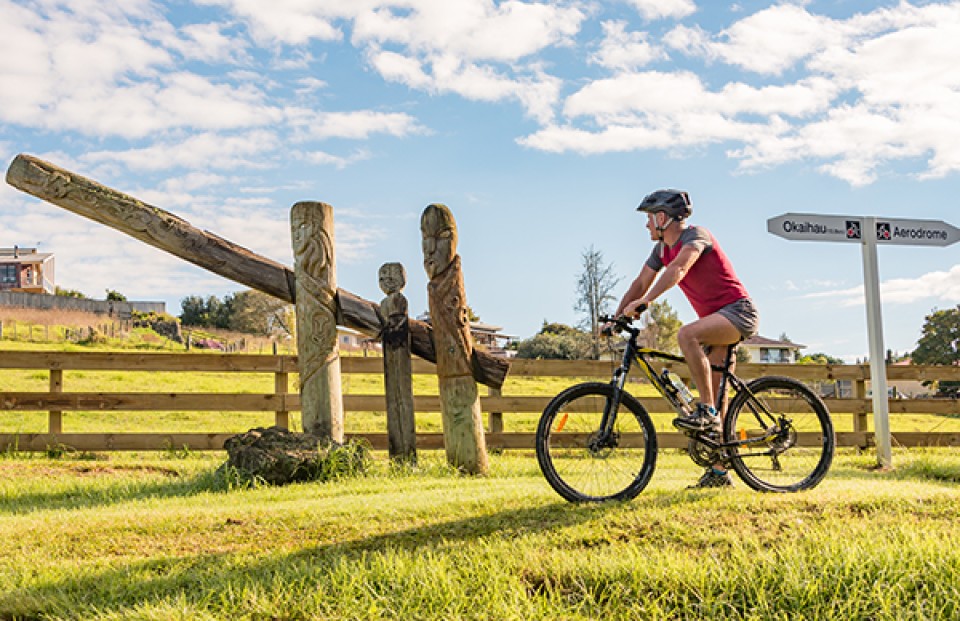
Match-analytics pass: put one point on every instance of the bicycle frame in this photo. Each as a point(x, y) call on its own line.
point(642, 355)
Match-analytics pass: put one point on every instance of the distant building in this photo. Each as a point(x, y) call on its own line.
point(769, 351)
point(352, 342)
point(24, 270)
point(486, 336)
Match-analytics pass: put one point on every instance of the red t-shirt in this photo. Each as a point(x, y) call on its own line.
point(710, 284)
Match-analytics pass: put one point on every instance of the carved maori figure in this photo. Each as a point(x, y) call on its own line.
point(459, 398)
point(397, 372)
point(321, 400)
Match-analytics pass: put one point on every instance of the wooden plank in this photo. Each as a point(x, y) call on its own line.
point(116, 401)
point(425, 441)
point(128, 361)
point(113, 441)
point(915, 439)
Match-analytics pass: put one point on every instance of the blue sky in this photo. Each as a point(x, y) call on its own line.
point(541, 125)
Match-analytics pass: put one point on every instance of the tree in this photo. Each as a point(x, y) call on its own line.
point(940, 343)
point(556, 341)
point(115, 296)
point(662, 325)
point(255, 312)
point(819, 358)
point(594, 293)
point(69, 293)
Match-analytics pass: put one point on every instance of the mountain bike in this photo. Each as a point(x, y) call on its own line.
point(596, 442)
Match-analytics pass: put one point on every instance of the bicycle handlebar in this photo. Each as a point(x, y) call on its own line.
point(622, 323)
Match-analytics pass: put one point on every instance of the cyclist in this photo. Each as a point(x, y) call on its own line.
point(691, 258)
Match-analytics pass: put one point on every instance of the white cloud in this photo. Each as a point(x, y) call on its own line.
point(939, 286)
point(848, 96)
point(200, 151)
point(355, 125)
point(291, 22)
point(657, 9)
point(323, 158)
point(768, 41)
point(621, 50)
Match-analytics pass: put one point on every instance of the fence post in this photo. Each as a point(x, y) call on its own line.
point(55, 419)
point(495, 419)
point(281, 386)
point(860, 420)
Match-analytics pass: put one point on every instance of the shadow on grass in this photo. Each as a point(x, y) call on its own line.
point(201, 580)
point(85, 495)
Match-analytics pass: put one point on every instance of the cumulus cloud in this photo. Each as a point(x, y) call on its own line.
point(940, 286)
point(622, 50)
point(657, 9)
point(847, 95)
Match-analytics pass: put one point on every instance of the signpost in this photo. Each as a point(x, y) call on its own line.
point(869, 232)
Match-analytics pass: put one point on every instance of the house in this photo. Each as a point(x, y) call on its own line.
point(25, 270)
point(352, 342)
point(486, 336)
point(910, 389)
point(769, 351)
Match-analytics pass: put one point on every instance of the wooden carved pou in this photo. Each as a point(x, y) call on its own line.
point(459, 398)
point(321, 399)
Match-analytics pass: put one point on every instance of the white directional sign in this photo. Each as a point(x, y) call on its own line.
point(870, 232)
point(886, 231)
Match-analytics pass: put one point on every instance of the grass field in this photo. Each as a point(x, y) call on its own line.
point(161, 536)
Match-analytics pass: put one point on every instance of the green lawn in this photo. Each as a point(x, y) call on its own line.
point(160, 536)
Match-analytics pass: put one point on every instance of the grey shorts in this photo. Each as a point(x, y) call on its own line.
point(743, 315)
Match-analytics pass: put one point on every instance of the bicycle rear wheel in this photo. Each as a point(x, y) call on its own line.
point(581, 466)
point(786, 439)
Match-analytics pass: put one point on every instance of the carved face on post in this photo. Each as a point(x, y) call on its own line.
point(439, 231)
point(392, 277)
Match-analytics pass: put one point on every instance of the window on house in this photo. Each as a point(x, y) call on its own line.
point(8, 274)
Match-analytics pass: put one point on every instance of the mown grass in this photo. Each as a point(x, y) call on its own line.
point(163, 537)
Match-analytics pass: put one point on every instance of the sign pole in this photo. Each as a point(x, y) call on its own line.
point(869, 232)
point(878, 368)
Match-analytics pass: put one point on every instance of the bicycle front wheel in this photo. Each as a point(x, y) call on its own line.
point(783, 433)
point(580, 462)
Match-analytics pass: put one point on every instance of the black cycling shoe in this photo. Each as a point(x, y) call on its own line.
point(704, 418)
point(712, 478)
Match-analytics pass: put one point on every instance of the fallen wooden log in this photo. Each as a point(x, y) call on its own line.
point(173, 234)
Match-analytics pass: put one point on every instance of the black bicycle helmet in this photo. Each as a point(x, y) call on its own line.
point(675, 203)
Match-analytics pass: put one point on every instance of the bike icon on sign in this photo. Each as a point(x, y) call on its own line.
point(853, 229)
point(883, 231)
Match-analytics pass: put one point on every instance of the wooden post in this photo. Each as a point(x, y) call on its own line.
point(170, 233)
point(495, 419)
point(281, 386)
point(860, 419)
point(55, 417)
point(397, 367)
point(321, 400)
point(459, 400)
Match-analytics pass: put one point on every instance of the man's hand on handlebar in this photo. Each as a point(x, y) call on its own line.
point(634, 309)
point(621, 322)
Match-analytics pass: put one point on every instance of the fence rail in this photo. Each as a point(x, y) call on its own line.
point(57, 399)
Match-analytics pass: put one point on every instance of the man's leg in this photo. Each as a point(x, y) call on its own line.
point(710, 330)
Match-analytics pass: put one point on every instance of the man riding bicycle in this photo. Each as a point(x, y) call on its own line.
point(691, 258)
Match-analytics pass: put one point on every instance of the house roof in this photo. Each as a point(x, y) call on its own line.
point(763, 341)
point(19, 254)
point(25, 257)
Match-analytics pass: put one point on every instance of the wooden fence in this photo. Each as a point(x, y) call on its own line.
point(58, 399)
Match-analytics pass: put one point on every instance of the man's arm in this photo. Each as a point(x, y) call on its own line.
point(673, 274)
point(636, 290)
